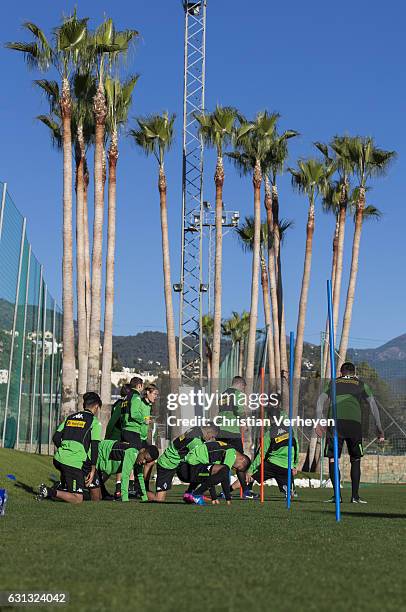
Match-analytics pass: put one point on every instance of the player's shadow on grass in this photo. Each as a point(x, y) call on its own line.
point(27, 488)
point(369, 514)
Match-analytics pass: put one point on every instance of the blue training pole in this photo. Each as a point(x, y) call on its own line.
point(333, 399)
point(291, 364)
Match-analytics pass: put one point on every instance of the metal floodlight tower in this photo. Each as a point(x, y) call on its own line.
point(191, 286)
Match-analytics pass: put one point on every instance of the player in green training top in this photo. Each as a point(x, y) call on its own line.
point(113, 429)
point(208, 465)
point(351, 392)
point(276, 441)
point(77, 441)
point(134, 419)
point(231, 409)
point(177, 450)
point(119, 457)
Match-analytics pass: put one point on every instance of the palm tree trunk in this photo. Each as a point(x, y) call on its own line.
point(87, 251)
point(170, 324)
point(326, 372)
point(272, 281)
point(219, 181)
point(68, 362)
point(241, 357)
point(257, 180)
point(100, 112)
point(109, 289)
point(303, 306)
point(209, 361)
point(279, 286)
point(268, 322)
point(81, 268)
point(353, 278)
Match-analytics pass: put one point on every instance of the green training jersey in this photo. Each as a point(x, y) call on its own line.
point(276, 442)
point(212, 452)
point(136, 413)
point(112, 460)
point(350, 393)
point(231, 408)
point(180, 447)
point(77, 432)
point(113, 429)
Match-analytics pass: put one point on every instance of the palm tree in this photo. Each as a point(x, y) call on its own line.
point(246, 235)
point(342, 160)
point(251, 141)
point(207, 329)
point(69, 37)
point(83, 124)
point(119, 98)
point(276, 163)
point(216, 130)
point(82, 129)
point(331, 204)
point(310, 178)
point(106, 45)
point(368, 162)
point(154, 135)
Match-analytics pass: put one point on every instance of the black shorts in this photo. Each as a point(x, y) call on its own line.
point(192, 473)
point(164, 477)
point(133, 438)
point(232, 439)
point(72, 479)
point(273, 471)
point(86, 469)
point(354, 446)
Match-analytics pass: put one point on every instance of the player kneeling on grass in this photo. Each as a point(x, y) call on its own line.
point(77, 440)
point(171, 458)
point(208, 465)
point(119, 457)
point(276, 442)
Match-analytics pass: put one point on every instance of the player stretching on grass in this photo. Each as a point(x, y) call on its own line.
point(177, 450)
point(276, 442)
point(77, 440)
point(350, 393)
point(208, 465)
point(231, 408)
point(119, 457)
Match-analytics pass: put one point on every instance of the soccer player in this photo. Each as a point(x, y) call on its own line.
point(177, 450)
point(113, 429)
point(208, 465)
point(136, 414)
point(231, 408)
point(350, 393)
point(77, 440)
point(276, 442)
point(132, 418)
point(119, 457)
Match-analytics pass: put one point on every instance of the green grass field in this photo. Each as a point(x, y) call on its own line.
point(173, 557)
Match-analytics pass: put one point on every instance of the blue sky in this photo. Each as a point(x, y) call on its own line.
point(326, 68)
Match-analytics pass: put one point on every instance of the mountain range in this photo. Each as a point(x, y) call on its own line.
point(147, 350)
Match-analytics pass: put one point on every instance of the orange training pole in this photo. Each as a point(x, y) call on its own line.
point(262, 434)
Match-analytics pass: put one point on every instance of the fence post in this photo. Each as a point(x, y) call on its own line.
point(3, 204)
point(13, 330)
point(51, 382)
point(27, 283)
point(36, 357)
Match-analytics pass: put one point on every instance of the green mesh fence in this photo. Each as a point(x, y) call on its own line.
point(30, 340)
